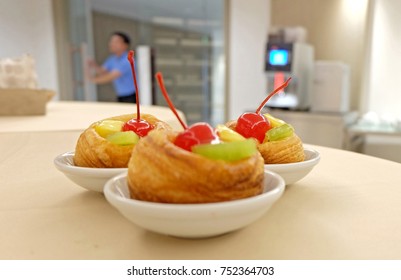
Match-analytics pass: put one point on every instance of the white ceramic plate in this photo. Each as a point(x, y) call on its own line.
point(92, 179)
point(193, 220)
point(293, 172)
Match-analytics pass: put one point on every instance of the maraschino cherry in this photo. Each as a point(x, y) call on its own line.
point(198, 133)
point(140, 127)
point(255, 124)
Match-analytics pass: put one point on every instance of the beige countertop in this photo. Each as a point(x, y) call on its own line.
point(75, 115)
point(348, 207)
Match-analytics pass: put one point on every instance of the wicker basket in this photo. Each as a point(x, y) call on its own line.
point(24, 102)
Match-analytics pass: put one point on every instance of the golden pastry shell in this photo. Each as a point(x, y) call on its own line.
point(92, 150)
point(159, 171)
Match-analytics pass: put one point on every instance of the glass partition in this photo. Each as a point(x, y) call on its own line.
point(186, 39)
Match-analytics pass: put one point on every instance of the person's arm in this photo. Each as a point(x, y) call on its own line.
point(99, 69)
point(106, 77)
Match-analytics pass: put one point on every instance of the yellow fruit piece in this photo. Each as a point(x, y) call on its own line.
point(228, 135)
point(274, 122)
point(107, 127)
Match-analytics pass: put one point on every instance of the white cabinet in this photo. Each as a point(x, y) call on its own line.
point(185, 59)
point(324, 129)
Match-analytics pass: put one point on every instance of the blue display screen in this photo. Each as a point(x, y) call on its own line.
point(278, 57)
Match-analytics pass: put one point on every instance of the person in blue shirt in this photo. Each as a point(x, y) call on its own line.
point(115, 69)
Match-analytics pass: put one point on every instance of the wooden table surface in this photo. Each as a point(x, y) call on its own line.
point(348, 207)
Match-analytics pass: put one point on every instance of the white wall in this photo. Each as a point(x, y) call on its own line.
point(384, 87)
point(249, 23)
point(27, 27)
point(336, 29)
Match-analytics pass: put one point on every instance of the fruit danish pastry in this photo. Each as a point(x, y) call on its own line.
point(277, 140)
point(197, 165)
point(161, 171)
point(109, 143)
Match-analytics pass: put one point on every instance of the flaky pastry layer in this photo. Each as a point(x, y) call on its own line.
point(92, 150)
point(159, 171)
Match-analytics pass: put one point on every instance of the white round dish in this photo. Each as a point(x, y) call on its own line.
point(92, 179)
point(193, 220)
point(293, 172)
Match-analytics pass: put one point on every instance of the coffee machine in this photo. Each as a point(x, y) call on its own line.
point(295, 60)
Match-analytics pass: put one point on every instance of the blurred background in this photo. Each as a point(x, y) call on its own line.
point(220, 58)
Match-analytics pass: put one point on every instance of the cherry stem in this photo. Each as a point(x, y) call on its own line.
point(271, 94)
point(160, 81)
point(132, 62)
